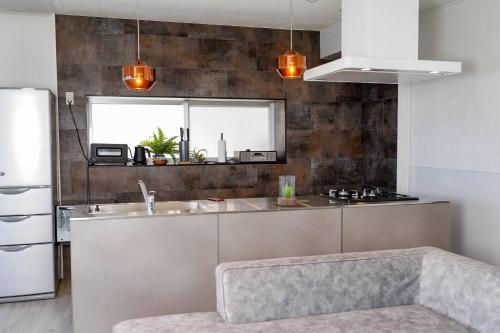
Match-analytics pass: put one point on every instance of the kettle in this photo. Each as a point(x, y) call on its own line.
point(140, 155)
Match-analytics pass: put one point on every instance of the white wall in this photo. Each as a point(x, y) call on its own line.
point(28, 51)
point(330, 40)
point(455, 124)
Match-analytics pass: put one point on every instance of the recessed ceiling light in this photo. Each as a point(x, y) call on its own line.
point(435, 72)
point(366, 69)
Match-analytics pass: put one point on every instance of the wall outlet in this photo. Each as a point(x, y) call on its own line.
point(70, 98)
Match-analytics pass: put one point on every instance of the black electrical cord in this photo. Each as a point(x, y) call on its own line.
point(78, 133)
point(83, 154)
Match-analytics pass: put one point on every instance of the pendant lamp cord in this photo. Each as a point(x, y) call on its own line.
point(291, 25)
point(138, 31)
point(138, 41)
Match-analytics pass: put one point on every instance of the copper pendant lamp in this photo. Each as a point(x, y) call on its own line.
point(291, 64)
point(138, 75)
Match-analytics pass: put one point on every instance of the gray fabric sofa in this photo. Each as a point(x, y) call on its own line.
point(414, 290)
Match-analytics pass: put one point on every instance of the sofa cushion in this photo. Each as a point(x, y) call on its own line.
point(254, 291)
point(402, 319)
point(461, 288)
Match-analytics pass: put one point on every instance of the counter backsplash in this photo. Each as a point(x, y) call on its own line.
point(337, 134)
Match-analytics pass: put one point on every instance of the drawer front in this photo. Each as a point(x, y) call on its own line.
point(373, 228)
point(26, 229)
point(266, 235)
point(26, 270)
point(25, 201)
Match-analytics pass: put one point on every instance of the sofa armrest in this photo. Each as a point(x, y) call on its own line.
point(298, 287)
point(461, 288)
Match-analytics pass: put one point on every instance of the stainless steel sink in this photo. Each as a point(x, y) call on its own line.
point(140, 207)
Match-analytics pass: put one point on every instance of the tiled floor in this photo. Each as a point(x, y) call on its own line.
point(47, 316)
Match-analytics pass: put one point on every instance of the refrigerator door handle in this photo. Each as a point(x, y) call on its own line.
point(14, 248)
point(14, 219)
point(12, 191)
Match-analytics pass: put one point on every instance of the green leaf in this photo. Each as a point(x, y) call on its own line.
point(287, 191)
point(158, 143)
point(198, 155)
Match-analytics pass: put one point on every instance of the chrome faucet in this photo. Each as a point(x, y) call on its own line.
point(149, 198)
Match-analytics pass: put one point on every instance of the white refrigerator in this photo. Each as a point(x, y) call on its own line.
point(27, 194)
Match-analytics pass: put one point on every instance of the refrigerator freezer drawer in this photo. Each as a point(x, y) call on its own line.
point(25, 201)
point(26, 270)
point(26, 229)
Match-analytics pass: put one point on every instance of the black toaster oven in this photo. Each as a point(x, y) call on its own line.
point(108, 154)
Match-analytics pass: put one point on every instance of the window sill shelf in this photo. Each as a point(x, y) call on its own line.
point(129, 165)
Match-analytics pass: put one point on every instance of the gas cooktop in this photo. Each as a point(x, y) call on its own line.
point(366, 195)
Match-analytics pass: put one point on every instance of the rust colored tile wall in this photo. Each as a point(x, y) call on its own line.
point(337, 134)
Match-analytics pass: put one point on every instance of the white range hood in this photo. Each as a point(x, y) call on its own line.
point(380, 45)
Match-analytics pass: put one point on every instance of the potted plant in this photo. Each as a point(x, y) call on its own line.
point(287, 191)
point(198, 155)
point(160, 145)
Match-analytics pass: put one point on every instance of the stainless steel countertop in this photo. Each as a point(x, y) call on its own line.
point(233, 206)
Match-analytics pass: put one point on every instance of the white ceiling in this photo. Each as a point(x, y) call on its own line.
point(308, 15)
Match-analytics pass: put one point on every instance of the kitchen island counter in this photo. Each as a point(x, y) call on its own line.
point(147, 265)
point(239, 205)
